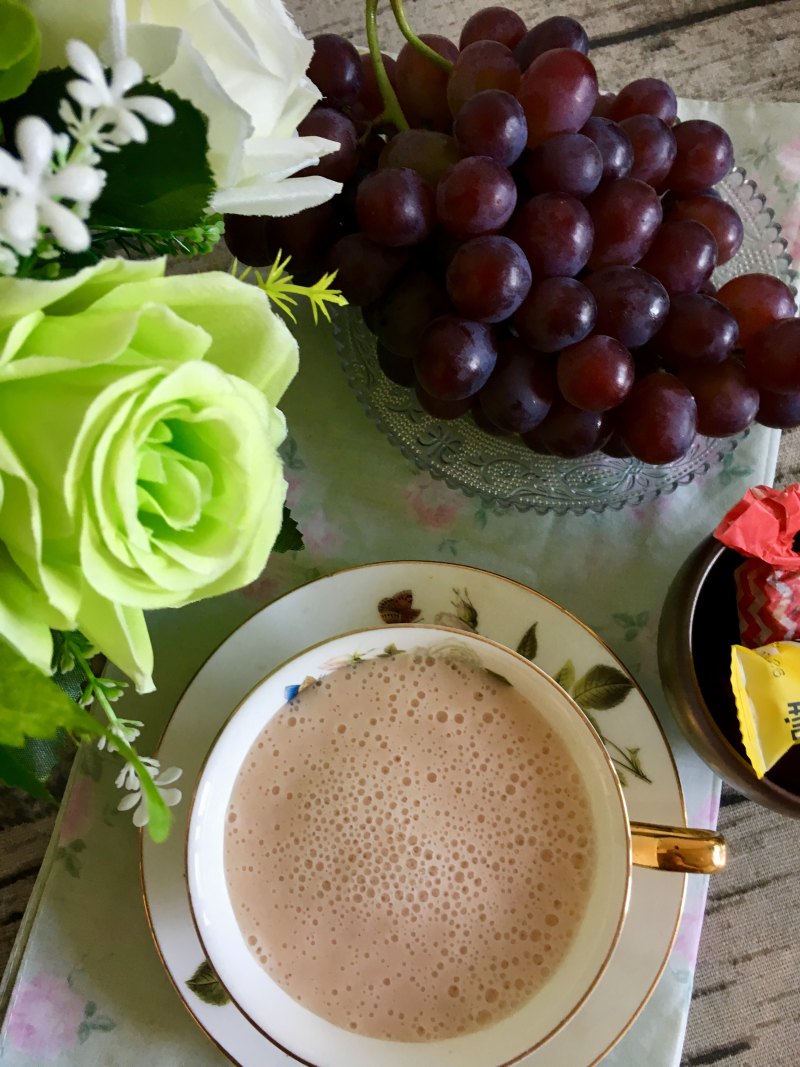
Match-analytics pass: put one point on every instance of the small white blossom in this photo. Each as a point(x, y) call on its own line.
point(136, 799)
point(109, 119)
point(35, 191)
point(126, 730)
point(8, 261)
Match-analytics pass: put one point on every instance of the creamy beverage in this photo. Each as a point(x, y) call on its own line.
point(409, 848)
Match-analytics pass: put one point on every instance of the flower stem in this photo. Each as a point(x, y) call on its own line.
point(411, 37)
point(160, 815)
point(394, 113)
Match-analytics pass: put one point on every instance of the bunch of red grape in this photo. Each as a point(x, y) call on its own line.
point(537, 253)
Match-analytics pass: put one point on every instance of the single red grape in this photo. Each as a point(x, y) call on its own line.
point(682, 256)
point(493, 24)
point(567, 163)
point(781, 410)
point(335, 69)
point(772, 357)
point(395, 207)
point(557, 93)
point(422, 86)
point(698, 329)
point(626, 214)
point(645, 96)
point(482, 65)
point(755, 301)
point(721, 218)
point(704, 156)
point(248, 239)
point(521, 389)
point(614, 144)
point(595, 374)
point(488, 278)
point(455, 357)
point(658, 419)
point(632, 305)
point(726, 402)
point(476, 196)
point(654, 148)
point(492, 123)
point(555, 233)
point(556, 312)
point(306, 236)
point(559, 31)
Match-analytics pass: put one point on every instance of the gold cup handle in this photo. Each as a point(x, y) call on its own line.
point(674, 848)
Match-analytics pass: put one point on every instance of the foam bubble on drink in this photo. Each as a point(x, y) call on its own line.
point(409, 848)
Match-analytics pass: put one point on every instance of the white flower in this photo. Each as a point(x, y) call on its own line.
point(8, 261)
point(242, 63)
point(35, 191)
point(126, 730)
point(104, 102)
point(136, 799)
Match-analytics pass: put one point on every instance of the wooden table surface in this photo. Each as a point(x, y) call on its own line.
point(746, 1006)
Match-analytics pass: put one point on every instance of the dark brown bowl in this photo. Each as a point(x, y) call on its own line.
point(698, 626)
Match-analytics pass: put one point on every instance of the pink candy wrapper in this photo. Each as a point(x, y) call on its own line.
point(764, 526)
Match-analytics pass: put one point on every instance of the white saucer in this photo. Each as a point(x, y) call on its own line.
point(455, 596)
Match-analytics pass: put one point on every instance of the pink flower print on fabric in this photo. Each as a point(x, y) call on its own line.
point(281, 574)
point(788, 157)
point(435, 506)
point(321, 537)
point(78, 812)
point(44, 1017)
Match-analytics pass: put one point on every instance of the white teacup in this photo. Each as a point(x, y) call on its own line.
point(316, 1041)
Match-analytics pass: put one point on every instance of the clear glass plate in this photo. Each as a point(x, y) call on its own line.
point(503, 471)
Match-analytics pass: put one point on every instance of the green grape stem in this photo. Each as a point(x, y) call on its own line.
point(411, 37)
point(393, 112)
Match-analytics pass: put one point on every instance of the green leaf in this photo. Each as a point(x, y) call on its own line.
point(15, 772)
point(207, 987)
point(20, 45)
point(32, 705)
point(497, 677)
point(165, 183)
point(602, 687)
point(41, 97)
point(529, 644)
point(289, 538)
point(103, 1023)
point(566, 676)
point(90, 1009)
point(83, 1031)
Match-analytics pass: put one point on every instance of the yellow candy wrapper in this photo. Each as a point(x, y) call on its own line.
point(766, 688)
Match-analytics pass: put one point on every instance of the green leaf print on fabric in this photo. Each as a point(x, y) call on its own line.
point(93, 1021)
point(207, 987)
point(631, 624)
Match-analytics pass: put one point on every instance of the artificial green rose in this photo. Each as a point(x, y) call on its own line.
point(138, 450)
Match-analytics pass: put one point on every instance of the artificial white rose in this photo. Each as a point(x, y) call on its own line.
point(242, 63)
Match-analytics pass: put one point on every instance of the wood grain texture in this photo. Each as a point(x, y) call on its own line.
point(704, 48)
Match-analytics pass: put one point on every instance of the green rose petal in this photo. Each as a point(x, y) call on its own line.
point(251, 341)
